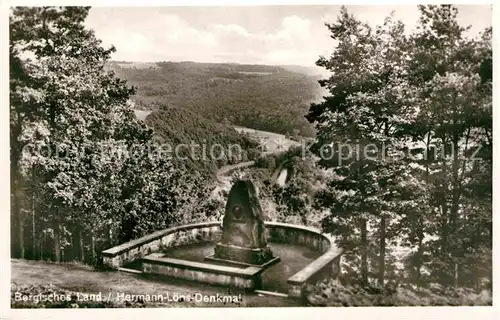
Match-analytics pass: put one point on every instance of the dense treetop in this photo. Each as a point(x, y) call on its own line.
point(261, 97)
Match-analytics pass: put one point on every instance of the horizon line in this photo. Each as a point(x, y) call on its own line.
point(213, 62)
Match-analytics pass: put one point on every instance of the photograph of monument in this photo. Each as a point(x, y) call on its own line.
point(250, 156)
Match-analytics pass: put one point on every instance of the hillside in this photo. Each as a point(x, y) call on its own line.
point(269, 98)
point(200, 144)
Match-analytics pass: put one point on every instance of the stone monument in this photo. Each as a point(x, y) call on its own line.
point(243, 231)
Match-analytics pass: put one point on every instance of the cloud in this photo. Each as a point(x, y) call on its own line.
point(135, 42)
point(294, 42)
point(231, 30)
point(142, 35)
point(296, 26)
point(275, 37)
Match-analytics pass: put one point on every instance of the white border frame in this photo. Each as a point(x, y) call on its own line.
point(240, 313)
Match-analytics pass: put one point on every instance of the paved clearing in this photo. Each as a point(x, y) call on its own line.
point(293, 259)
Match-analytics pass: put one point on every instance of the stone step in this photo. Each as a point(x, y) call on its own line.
point(130, 270)
point(271, 293)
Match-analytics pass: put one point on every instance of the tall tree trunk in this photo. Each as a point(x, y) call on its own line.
point(18, 240)
point(15, 184)
point(381, 271)
point(456, 188)
point(57, 242)
point(420, 258)
point(82, 247)
point(77, 242)
point(381, 274)
point(43, 246)
point(19, 249)
point(364, 252)
point(33, 254)
point(93, 247)
point(40, 248)
point(20, 230)
point(444, 205)
point(454, 226)
point(420, 225)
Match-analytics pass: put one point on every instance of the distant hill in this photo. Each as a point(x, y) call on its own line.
point(270, 98)
point(316, 72)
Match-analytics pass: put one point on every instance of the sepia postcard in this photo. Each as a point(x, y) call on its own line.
point(302, 158)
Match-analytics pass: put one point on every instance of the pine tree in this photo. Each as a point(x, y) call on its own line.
point(426, 98)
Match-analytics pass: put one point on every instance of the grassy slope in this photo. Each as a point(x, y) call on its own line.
point(80, 278)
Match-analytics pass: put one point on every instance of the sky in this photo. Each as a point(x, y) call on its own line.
point(294, 35)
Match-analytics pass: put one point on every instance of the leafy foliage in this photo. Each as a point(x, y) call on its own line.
point(334, 294)
point(404, 140)
point(84, 176)
point(421, 102)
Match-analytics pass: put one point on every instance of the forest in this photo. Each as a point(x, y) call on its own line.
point(411, 206)
point(79, 183)
point(426, 96)
point(260, 97)
point(401, 169)
point(178, 126)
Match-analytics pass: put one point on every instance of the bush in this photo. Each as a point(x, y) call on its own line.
point(333, 293)
point(265, 162)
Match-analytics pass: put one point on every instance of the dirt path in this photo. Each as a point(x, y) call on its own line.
point(81, 278)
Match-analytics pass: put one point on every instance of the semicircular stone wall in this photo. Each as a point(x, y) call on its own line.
point(327, 265)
